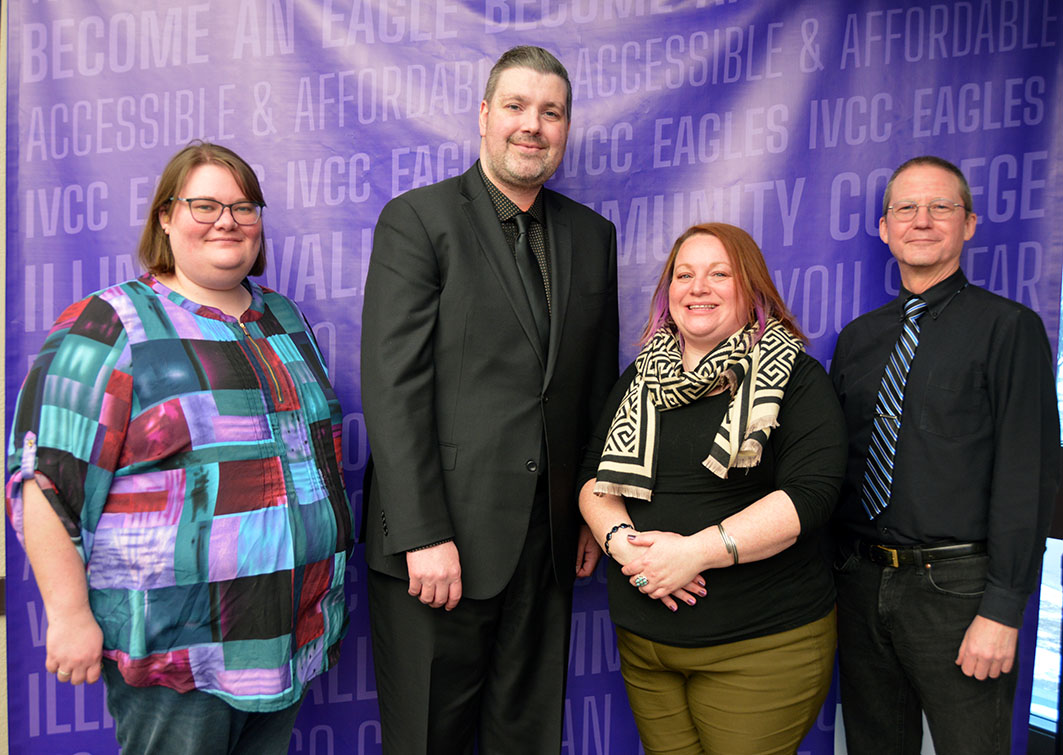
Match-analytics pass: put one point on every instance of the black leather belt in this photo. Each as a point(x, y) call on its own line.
point(916, 555)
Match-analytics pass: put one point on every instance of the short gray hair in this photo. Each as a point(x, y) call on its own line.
point(937, 162)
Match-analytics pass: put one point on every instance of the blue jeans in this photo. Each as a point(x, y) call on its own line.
point(899, 631)
point(152, 720)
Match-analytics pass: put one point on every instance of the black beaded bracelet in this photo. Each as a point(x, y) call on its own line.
point(612, 532)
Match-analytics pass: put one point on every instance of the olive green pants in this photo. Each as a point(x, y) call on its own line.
point(750, 697)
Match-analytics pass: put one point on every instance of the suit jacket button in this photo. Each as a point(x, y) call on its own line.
point(531, 465)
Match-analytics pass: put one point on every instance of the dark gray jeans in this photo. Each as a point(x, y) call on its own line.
point(899, 631)
point(162, 721)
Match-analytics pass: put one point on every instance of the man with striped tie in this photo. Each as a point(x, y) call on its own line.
point(950, 402)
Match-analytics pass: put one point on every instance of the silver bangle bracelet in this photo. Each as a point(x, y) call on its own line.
point(728, 543)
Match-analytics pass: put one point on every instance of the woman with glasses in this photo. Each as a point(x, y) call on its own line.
point(711, 476)
point(175, 480)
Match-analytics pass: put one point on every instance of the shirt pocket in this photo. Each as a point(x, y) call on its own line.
point(955, 405)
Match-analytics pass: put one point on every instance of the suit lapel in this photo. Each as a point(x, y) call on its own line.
point(559, 237)
point(492, 242)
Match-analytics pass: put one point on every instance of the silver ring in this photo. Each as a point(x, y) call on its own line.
point(62, 674)
point(641, 581)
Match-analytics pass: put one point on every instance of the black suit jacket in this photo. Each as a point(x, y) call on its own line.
point(457, 394)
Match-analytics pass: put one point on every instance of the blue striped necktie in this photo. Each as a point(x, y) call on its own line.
point(879, 475)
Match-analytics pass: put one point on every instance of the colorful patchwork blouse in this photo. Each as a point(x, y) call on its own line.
point(195, 461)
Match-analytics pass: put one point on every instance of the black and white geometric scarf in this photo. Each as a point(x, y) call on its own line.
point(755, 374)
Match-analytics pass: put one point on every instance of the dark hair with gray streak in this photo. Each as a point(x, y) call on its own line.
point(535, 58)
point(937, 162)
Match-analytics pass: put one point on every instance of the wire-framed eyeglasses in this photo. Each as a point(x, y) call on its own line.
point(209, 210)
point(939, 209)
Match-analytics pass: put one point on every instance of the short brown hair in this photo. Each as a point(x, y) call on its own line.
point(535, 58)
point(937, 162)
point(750, 272)
point(154, 250)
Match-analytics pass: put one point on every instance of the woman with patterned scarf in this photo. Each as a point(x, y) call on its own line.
point(708, 483)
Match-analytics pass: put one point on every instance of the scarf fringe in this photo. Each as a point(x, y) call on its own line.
point(764, 423)
point(628, 491)
point(748, 455)
point(715, 467)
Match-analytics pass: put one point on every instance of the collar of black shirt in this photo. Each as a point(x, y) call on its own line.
point(505, 207)
point(937, 297)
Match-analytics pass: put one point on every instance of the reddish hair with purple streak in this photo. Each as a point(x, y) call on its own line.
point(751, 275)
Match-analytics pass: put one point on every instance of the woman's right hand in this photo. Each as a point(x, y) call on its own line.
point(74, 645)
point(625, 551)
point(605, 511)
point(74, 641)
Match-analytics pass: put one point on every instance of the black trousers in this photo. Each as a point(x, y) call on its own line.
point(491, 671)
point(899, 630)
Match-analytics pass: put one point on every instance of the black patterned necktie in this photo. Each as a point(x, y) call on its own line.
point(532, 278)
point(878, 478)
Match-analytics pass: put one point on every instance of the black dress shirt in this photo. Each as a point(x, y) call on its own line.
point(978, 449)
point(507, 210)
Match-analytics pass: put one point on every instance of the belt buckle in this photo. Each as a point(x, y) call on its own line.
point(894, 558)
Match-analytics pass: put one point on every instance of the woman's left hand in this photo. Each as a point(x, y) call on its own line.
point(670, 563)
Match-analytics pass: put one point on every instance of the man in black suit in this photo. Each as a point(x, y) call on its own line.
point(489, 344)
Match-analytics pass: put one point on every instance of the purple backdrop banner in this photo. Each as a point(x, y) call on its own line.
point(783, 118)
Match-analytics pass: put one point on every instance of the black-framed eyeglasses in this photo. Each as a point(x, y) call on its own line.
point(209, 210)
point(939, 209)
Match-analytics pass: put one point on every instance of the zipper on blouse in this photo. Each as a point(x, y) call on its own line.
point(265, 363)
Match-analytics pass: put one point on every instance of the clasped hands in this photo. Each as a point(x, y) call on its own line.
point(670, 564)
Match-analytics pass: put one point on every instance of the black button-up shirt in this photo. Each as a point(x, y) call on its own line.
point(978, 450)
point(537, 237)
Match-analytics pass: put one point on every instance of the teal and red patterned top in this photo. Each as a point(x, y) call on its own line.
point(195, 461)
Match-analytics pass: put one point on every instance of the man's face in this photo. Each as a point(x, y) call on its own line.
point(927, 250)
point(524, 129)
